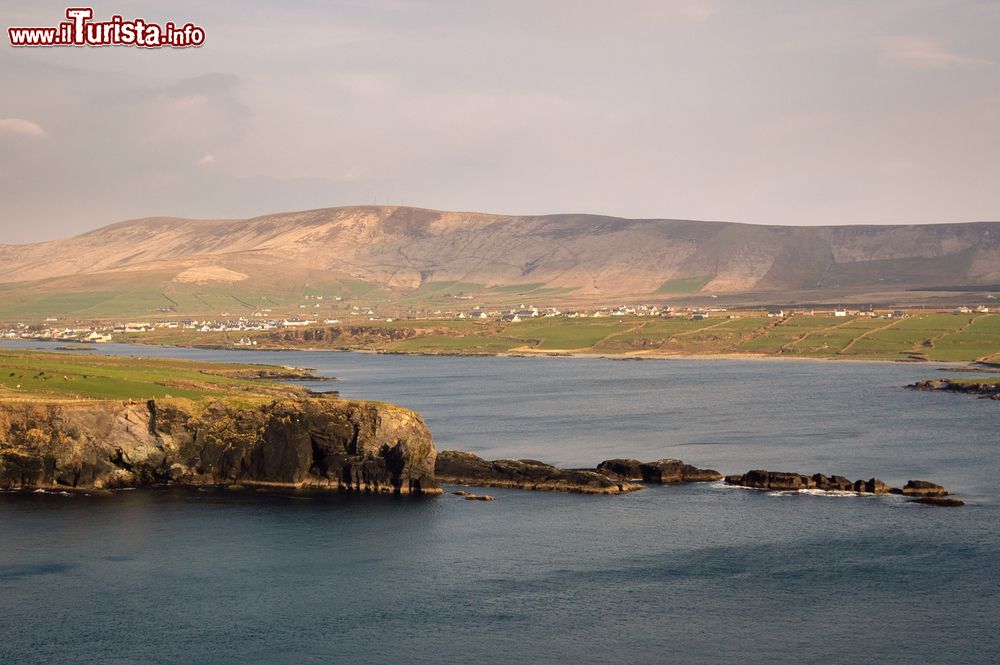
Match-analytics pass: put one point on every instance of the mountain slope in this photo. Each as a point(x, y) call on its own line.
point(403, 250)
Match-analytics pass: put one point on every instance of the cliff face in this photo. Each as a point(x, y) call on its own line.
point(309, 442)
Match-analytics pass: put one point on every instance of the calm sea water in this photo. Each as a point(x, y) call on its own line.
point(693, 574)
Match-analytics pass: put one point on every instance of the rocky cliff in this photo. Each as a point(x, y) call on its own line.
point(308, 442)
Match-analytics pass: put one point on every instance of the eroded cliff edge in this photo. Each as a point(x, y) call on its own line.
point(298, 443)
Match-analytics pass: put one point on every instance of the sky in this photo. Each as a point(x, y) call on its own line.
point(764, 111)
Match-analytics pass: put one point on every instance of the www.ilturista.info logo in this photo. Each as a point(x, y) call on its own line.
point(80, 30)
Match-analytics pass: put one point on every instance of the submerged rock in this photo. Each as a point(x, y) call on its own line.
point(456, 466)
point(295, 443)
point(469, 496)
point(944, 502)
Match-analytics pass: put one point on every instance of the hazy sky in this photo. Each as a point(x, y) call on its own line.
point(769, 111)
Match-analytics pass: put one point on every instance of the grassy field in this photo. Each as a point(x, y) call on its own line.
point(932, 336)
point(683, 285)
point(32, 375)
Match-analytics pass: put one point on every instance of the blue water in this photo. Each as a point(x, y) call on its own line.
point(692, 574)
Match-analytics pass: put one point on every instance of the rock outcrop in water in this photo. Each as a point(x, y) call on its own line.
point(923, 488)
point(985, 390)
point(295, 443)
point(613, 476)
point(456, 466)
point(662, 471)
point(783, 481)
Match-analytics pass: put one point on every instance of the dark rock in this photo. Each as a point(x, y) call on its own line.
point(784, 481)
point(772, 480)
point(876, 486)
point(923, 488)
point(944, 502)
point(459, 467)
point(676, 471)
point(837, 483)
point(621, 469)
point(661, 471)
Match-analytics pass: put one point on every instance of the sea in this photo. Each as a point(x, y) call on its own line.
point(700, 573)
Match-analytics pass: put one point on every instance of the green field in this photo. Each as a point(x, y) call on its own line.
point(563, 334)
point(683, 285)
point(932, 337)
point(33, 375)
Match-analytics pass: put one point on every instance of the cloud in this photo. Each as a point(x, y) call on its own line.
point(20, 127)
point(699, 12)
point(212, 83)
point(925, 53)
point(207, 159)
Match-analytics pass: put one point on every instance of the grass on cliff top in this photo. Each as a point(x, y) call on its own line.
point(36, 376)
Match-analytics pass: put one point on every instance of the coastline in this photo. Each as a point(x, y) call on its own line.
point(568, 353)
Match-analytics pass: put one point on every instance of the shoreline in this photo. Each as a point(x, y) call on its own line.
point(566, 353)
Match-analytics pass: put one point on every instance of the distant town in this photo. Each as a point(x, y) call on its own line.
point(77, 331)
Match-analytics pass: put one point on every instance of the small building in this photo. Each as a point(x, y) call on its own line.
point(775, 312)
point(897, 314)
point(840, 311)
point(963, 310)
point(699, 316)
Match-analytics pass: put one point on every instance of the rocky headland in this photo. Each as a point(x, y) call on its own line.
point(307, 442)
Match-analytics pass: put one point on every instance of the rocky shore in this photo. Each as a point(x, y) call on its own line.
point(294, 443)
point(921, 491)
point(983, 389)
point(318, 443)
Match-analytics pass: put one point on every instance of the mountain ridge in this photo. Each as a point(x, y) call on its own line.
point(403, 249)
